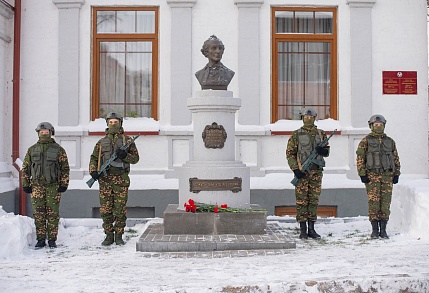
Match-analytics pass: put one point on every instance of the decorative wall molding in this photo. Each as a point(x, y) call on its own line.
point(64, 4)
point(181, 3)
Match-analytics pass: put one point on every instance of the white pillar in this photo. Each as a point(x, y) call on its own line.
point(181, 60)
point(361, 74)
point(68, 83)
point(248, 60)
point(361, 61)
point(6, 15)
point(68, 61)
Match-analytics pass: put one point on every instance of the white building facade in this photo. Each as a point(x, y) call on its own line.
point(80, 59)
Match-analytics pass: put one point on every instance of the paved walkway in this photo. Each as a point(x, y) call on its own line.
point(153, 243)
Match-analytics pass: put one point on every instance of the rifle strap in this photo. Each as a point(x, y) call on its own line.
point(299, 162)
point(298, 159)
point(99, 158)
point(320, 134)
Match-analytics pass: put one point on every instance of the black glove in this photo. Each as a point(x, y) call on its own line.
point(298, 173)
point(395, 179)
point(95, 175)
point(27, 189)
point(364, 179)
point(62, 189)
point(322, 151)
point(121, 154)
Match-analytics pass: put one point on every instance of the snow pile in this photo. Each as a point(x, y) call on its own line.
point(409, 208)
point(17, 234)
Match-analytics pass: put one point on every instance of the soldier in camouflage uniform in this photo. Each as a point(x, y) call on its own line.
point(301, 143)
point(379, 168)
point(114, 186)
point(45, 174)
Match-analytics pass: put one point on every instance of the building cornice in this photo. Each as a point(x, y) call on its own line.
point(64, 4)
point(249, 3)
point(181, 3)
point(361, 3)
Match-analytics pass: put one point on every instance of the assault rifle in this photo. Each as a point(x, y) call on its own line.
point(312, 159)
point(107, 164)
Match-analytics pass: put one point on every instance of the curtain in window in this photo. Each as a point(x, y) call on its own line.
point(303, 22)
point(303, 78)
point(126, 22)
point(125, 78)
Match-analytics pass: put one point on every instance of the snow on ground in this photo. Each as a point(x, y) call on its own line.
point(344, 260)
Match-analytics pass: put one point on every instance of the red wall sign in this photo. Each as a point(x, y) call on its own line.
point(399, 82)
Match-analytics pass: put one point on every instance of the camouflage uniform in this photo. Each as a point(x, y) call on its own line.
point(114, 187)
point(45, 197)
point(308, 190)
point(379, 189)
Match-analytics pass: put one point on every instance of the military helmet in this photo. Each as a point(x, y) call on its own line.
point(308, 111)
point(114, 115)
point(376, 118)
point(45, 125)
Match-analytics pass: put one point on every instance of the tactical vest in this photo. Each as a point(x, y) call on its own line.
point(45, 167)
point(108, 149)
point(379, 156)
point(306, 145)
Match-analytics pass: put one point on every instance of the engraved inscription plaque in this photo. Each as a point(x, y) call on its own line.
point(196, 185)
point(214, 136)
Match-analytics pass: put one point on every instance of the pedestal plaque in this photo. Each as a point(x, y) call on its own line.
point(196, 185)
point(214, 136)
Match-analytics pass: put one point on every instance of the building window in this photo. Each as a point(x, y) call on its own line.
point(125, 61)
point(304, 62)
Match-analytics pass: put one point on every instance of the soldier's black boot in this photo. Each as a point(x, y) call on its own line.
point(375, 232)
point(40, 244)
point(383, 224)
point(118, 239)
point(303, 228)
point(311, 232)
point(108, 240)
point(52, 244)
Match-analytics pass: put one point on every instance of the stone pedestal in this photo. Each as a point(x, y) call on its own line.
point(213, 176)
point(244, 223)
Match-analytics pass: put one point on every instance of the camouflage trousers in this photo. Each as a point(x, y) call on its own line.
point(45, 200)
point(307, 194)
point(113, 202)
point(379, 191)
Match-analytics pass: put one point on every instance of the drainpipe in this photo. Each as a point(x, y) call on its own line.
point(15, 102)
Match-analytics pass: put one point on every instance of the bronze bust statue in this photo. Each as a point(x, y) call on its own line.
point(214, 76)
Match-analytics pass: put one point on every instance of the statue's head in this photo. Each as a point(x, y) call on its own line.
point(213, 49)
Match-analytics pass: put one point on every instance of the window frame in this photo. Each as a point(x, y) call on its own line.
point(304, 37)
point(97, 38)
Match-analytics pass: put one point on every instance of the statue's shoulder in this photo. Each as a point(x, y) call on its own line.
point(200, 72)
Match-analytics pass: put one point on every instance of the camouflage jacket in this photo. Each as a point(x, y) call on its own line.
point(362, 151)
point(132, 152)
point(63, 163)
point(292, 145)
